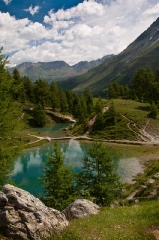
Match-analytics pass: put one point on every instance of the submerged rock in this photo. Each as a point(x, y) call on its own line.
point(22, 216)
point(80, 208)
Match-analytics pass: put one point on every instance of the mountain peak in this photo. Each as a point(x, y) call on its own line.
point(144, 51)
point(55, 70)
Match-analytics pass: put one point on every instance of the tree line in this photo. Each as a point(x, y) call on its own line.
point(50, 95)
point(144, 86)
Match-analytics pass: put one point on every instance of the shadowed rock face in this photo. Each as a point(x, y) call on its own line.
point(80, 208)
point(22, 216)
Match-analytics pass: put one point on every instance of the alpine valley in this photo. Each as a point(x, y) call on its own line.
point(144, 51)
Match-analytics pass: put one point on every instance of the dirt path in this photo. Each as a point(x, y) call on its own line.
point(21, 117)
point(141, 133)
point(92, 121)
point(143, 136)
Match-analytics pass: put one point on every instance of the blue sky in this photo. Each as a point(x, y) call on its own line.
point(71, 30)
point(17, 7)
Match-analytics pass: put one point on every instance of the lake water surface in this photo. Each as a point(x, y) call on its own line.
point(30, 164)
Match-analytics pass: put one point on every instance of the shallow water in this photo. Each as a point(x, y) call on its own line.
point(53, 131)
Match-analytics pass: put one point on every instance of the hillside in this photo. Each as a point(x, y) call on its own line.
point(144, 51)
point(57, 70)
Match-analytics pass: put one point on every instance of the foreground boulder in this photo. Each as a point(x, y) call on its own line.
point(80, 208)
point(22, 216)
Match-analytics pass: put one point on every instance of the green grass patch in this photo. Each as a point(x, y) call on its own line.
point(135, 111)
point(118, 131)
point(126, 223)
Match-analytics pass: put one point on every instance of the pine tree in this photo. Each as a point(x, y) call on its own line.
point(10, 141)
point(39, 116)
point(54, 95)
point(58, 181)
point(89, 100)
point(63, 101)
point(111, 116)
point(28, 89)
point(42, 93)
point(153, 111)
point(98, 179)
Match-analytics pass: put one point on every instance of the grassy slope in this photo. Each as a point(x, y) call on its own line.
point(136, 112)
point(126, 223)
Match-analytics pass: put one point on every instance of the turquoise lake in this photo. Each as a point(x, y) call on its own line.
point(30, 164)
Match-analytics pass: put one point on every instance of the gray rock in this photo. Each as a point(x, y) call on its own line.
point(80, 208)
point(22, 216)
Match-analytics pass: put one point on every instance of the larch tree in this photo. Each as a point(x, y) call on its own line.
point(98, 179)
point(10, 139)
point(58, 181)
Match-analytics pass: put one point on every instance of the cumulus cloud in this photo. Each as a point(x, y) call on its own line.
point(7, 1)
point(88, 31)
point(21, 34)
point(32, 10)
point(82, 10)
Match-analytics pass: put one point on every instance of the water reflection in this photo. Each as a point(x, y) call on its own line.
point(30, 164)
point(74, 157)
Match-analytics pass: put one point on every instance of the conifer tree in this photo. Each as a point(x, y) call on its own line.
point(10, 141)
point(111, 115)
point(63, 101)
point(89, 100)
point(58, 181)
point(42, 92)
point(153, 111)
point(39, 116)
point(28, 89)
point(98, 179)
point(54, 96)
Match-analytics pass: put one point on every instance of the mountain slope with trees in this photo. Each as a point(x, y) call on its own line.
point(144, 51)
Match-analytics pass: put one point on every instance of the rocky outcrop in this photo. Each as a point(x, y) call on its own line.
point(80, 208)
point(22, 216)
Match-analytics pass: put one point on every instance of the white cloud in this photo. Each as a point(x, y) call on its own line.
point(32, 10)
point(85, 32)
point(153, 11)
point(7, 1)
point(21, 34)
point(90, 8)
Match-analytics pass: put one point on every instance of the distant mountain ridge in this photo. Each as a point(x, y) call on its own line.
point(144, 51)
point(57, 70)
